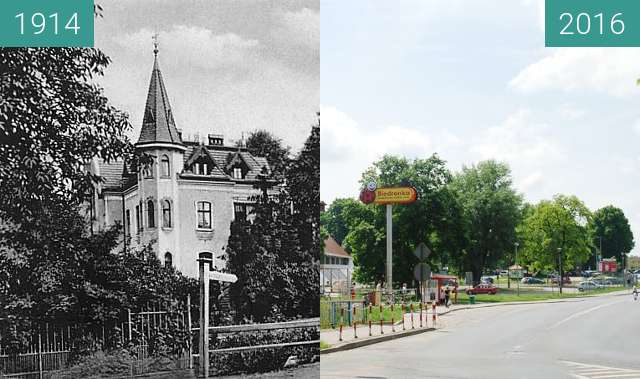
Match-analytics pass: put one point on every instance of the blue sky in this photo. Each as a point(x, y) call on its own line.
point(471, 81)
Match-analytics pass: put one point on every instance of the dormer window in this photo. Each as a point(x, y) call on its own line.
point(237, 173)
point(201, 168)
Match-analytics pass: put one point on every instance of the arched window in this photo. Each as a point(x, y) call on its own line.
point(166, 214)
point(204, 215)
point(168, 259)
point(148, 170)
point(166, 166)
point(151, 213)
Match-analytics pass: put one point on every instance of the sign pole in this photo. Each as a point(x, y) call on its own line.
point(204, 262)
point(389, 249)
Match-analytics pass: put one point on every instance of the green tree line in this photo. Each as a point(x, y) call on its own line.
point(472, 221)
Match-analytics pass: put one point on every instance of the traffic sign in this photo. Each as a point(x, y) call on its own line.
point(223, 277)
point(422, 272)
point(422, 251)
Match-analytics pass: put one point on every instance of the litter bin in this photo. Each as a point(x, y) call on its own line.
point(472, 299)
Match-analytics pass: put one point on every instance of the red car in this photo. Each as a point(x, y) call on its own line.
point(482, 288)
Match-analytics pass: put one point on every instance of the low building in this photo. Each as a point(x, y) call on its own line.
point(336, 268)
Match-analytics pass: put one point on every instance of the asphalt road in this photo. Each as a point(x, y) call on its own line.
point(596, 338)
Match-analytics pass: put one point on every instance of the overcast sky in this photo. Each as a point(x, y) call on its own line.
point(472, 80)
point(229, 66)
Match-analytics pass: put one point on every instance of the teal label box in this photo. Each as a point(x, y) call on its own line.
point(46, 23)
point(595, 23)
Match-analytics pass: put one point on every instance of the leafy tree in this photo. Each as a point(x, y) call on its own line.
point(53, 120)
point(262, 143)
point(556, 231)
point(55, 270)
point(491, 210)
point(275, 254)
point(343, 215)
point(433, 219)
point(610, 224)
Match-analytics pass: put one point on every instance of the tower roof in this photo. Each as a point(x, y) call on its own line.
point(158, 125)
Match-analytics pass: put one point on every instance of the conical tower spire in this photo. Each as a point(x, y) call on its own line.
point(158, 125)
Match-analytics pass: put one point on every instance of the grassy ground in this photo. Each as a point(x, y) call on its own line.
point(528, 295)
point(324, 345)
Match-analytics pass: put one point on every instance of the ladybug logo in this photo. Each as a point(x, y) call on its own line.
point(367, 196)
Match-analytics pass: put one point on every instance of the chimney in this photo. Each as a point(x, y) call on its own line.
point(216, 140)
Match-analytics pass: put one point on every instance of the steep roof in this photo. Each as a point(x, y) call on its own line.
point(158, 125)
point(331, 247)
point(219, 156)
point(111, 174)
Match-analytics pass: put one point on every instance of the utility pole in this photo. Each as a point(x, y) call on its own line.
point(599, 252)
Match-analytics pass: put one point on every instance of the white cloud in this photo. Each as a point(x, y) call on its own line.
point(604, 70)
point(198, 46)
point(348, 148)
point(303, 27)
point(518, 138)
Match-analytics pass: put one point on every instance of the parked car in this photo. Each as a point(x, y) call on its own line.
point(531, 280)
point(483, 289)
point(565, 280)
point(589, 285)
point(486, 280)
point(504, 272)
point(589, 273)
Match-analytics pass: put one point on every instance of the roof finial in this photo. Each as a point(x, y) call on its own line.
point(155, 44)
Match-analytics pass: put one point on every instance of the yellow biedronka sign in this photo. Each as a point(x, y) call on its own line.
point(395, 195)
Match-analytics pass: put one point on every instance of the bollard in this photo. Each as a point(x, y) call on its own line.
point(393, 328)
point(341, 322)
point(381, 329)
point(369, 320)
point(411, 308)
point(402, 316)
point(433, 307)
point(425, 318)
point(355, 333)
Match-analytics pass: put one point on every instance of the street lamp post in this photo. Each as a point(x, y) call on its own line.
point(561, 278)
point(516, 245)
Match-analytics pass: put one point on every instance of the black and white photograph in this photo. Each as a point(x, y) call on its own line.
point(160, 195)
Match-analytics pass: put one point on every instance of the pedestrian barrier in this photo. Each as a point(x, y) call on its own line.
point(355, 322)
point(369, 321)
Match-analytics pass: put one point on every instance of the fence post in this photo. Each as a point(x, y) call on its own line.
point(411, 309)
point(393, 327)
point(40, 355)
point(204, 261)
point(355, 322)
point(370, 320)
point(129, 323)
point(341, 322)
point(433, 307)
point(189, 331)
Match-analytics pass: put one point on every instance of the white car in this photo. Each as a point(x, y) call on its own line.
point(589, 285)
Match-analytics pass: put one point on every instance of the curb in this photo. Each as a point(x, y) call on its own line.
point(373, 340)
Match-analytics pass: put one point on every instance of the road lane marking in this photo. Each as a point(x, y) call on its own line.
point(582, 313)
point(588, 371)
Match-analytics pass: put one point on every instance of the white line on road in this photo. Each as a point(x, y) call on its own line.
point(582, 313)
point(587, 371)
